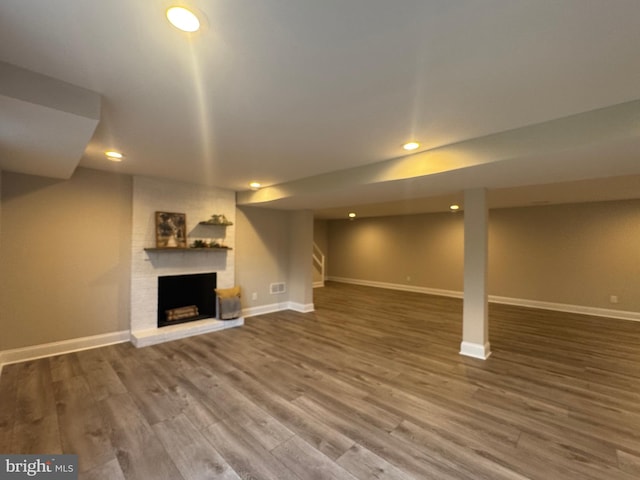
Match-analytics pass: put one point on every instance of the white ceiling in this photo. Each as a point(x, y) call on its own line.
point(279, 91)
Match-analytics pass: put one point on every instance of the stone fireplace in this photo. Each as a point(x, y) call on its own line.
point(198, 203)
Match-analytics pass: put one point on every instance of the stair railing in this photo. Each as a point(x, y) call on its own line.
point(319, 264)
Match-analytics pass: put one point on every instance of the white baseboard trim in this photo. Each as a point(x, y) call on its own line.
point(277, 307)
point(519, 302)
point(264, 309)
point(301, 307)
point(58, 348)
point(398, 286)
point(564, 307)
point(318, 284)
point(475, 350)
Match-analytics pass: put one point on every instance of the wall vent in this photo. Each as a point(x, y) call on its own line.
point(276, 288)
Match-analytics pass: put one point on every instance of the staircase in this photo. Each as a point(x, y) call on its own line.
point(318, 260)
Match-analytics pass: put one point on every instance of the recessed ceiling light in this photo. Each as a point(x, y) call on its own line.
point(183, 19)
point(352, 214)
point(411, 146)
point(454, 207)
point(114, 156)
point(255, 185)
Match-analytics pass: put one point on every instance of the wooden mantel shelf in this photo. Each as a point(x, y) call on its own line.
point(188, 249)
point(216, 224)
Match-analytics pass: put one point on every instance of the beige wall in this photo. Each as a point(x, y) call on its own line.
point(428, 249)
point(65, 257)
point(321, 234)
point(576, 254)
point(262, 241)
point(271, 247)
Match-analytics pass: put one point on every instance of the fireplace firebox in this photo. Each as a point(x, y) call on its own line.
point(175, 292)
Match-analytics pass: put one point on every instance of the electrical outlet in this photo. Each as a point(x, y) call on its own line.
point(254, 296)
point(613, 299)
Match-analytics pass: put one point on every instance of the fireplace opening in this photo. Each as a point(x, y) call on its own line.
point(185, 298)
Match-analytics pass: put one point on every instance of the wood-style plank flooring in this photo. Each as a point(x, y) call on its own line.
point(370, 386)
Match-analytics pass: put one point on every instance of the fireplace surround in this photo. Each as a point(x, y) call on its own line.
point(197, 202)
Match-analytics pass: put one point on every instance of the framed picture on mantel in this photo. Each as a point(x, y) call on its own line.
point(171, 230)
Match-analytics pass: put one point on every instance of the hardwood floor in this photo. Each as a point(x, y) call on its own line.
point(370, 386)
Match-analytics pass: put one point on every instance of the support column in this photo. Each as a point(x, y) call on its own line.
point(475, 317)
point(300, 264)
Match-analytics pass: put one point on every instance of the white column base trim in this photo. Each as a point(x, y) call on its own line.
point(475, 350)
point(318, 284)
point(153, 336)
point(34, 352)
